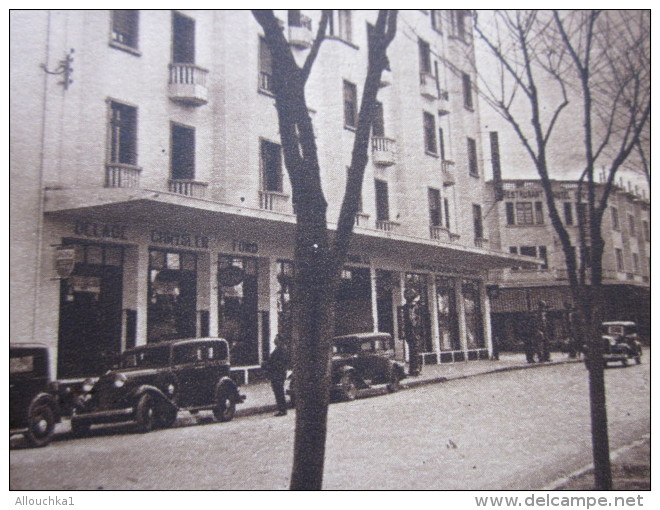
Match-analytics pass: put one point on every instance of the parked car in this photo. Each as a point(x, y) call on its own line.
point(155, 381)
point(34, 401)
point(620, 342)
point(361, 361)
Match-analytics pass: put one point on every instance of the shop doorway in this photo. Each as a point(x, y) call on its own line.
point(445, 290)
point(353, 311)
point(237, 308)
point(89, 336)
point(172, 306)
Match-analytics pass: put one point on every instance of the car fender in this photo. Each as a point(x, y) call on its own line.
point(154, 391)
point(226, 384)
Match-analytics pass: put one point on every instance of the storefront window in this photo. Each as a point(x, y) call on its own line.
point(172, 311)
point(419, 284)
point(284, 314)
point(447, 315)
point(237, 307)
point(474, 330)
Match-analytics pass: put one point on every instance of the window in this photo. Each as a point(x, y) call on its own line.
point(524, 214)
point(350, 105)
point(430, 145)
point(615, 218)
point(377, 122)
point(441, 140)
point(183, 152)
point(635, 263)
point(647, 232)
point(271, 166)
point(478, 221)
point(382, 201)
point(513, 250)
point(460, 27)
point(125, 27)
point(472, 157)
point(631, 222)
point(538, 208)
point(265, 66)
point(123, 134)
point(294, 18)
point(436, 20)
point(568, 213)
point(528, 251)
point(345, 25)
point(467, 92)
point(543, 255)
point(435, 207)
point(446, 200)
point(424, 57)
point(183, 39)
point(510, 213)
point(619, 259)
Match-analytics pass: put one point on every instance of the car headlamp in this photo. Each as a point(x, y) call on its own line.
point(120, 380)
point(87, 385)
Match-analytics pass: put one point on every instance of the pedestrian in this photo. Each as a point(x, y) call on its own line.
point(275, 368)
point(574, 350)
point(541, 332)
point(528, 342)
point(411, 325)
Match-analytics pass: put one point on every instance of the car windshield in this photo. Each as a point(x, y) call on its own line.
point(21, 364)
point(616, 330)
point(152, 357)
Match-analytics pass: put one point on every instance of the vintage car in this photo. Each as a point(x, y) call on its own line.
point(34, 400)
point(155, 381)
point(361, 361)
point(620, 342)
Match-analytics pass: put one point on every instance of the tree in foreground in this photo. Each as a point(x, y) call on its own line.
point(319, 255)
point(599, 61)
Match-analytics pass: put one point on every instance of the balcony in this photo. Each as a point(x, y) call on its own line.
point(440, 233)
point(448, 178)
point(480, 242)
point(301, 35)
point(274, 201)
point(387, 225)
point(428, 85)
point(188, 84)
point(382, 150)
point(121, 175)
point(187, 187)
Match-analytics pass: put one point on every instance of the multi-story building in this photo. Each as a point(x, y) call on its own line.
point(149, 198)
point(525, 228)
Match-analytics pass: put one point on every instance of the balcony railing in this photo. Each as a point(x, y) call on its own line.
point(386, 225)
point(480, 242)
point(382, 150)
point(188, 84)
point(274, 201)
point(120, 175)
point(188, 187)
point(439, 233)
point(301, 34)
point(428, 85)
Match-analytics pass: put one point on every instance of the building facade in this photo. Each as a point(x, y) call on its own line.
point(149, 199)
point(525, 229)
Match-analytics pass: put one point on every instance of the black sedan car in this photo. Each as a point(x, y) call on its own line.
point(155, 381)
point(620, 342)
point(34, 401)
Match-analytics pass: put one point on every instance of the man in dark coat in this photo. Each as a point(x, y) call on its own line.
point(541, 331)
point(573, 342)
point(275, 369)
point(411, 331)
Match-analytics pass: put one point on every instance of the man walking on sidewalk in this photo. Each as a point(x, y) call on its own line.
point(275, 369)
point(541, 332)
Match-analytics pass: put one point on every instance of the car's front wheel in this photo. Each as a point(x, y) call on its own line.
point(145, 413)
point(41, 423)
point(348, 387)
point(225, 407)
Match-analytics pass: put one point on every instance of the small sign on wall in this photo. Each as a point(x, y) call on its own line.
point(65, 260)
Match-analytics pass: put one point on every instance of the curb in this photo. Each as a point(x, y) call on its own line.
point(589, 467)
point(409, 384)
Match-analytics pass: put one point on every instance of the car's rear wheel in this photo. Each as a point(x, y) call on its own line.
point(395, 382)
point(145, 413)
point(79, 428)
point(225, 407)
point(41, 423)
point(348, 387)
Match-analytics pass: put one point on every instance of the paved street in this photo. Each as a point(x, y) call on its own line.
point(511, 430)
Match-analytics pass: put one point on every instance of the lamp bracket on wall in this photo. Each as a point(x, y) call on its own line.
point(64, 69)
